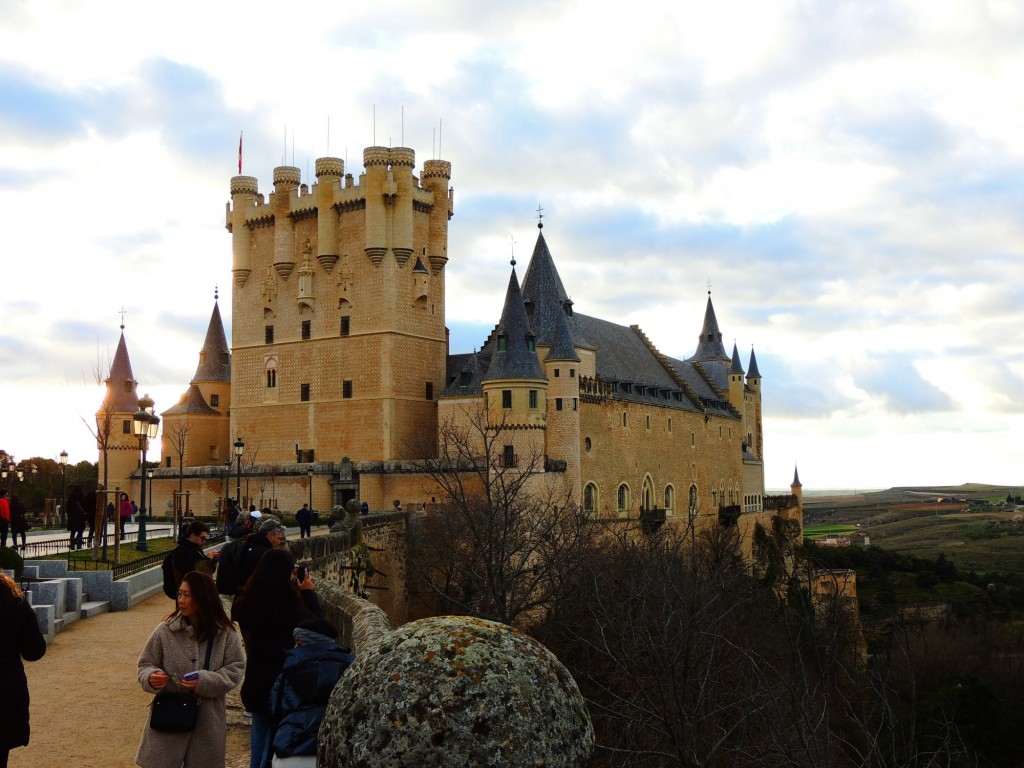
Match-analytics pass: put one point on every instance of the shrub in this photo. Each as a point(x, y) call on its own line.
point(12, 561)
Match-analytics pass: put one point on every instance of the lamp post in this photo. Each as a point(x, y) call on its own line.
point(63, 486)
point(239, 448)
point(309, 473)
point(145, 423)
point(149, 476)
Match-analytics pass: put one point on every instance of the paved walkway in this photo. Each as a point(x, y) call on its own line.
point(87, 709)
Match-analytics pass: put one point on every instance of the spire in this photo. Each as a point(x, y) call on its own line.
point(514, 354)
point(796, 479)
point(545, 295)
point(215, 357)
point(122, 393)
point(752, 372)
point(560, 339)
point(735, 367)
point(710, 346)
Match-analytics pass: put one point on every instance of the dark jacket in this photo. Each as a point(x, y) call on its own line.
point(299, 697)
point(258, 546)
point(19, 517)
point(304, 516)
point(189, 556)
point(268, 637)
point(20, 638)
point(76, 512)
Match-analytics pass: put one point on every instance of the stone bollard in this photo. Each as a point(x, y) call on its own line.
point(456, 691)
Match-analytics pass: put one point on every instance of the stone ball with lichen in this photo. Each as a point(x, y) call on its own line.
point(456, 691)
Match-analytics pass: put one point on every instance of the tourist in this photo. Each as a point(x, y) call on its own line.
point(177, 647)
point(125, 513)
point(5, 517)
point(268, 534)
point(189, 555)
point(268, 608)
point(76, 517)
point(231, 554)
point(20, 638)
point(299, 698)
point(304, 517)
point(19, 522)
point(89, 503)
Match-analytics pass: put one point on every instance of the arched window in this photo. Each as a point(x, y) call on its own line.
point(622, 499)
point(590, 498)
point(647, 494)
point(670, 499)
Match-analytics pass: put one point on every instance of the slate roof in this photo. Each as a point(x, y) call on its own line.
point(623, 356)
point(517, 360)
point(215, 356)
point(752, 372)
point(119, 398)
point(192, 403)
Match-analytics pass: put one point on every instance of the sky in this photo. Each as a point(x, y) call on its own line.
point(846, 176)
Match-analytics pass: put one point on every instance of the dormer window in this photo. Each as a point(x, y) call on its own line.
point(502, 343)
point(464, 379)
point(531, 343)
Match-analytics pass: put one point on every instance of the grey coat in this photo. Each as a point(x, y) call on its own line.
point(173, 648)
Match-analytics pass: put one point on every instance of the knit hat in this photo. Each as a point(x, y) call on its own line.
point(268, 524)
point(315, 630)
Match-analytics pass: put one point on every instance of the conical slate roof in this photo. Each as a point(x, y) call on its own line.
point(215, 357)
point(192, 403)
point(517, 360)
point(562, 347)
point(710, 346)
point(752, 372)
point(543, 290)
point(796, 479)
point(735, 367)
point(122, 393)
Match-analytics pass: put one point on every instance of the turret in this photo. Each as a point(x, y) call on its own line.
point(380, 189)
point(329, 172)
point(436, 176)
point(710, 346)
point(400, 174)
point(797, 487)
point(736, 381)
point(754, 385)
point(244, 190)
point(286, 181)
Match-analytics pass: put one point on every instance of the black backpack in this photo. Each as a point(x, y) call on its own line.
point(170, 578)
point(231, 555)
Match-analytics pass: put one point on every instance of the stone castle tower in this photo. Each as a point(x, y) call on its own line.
point(114, 422)
point(196, 430)
point(339, 343)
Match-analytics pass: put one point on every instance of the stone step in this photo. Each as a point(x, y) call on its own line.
point(70, 617)
point(94, 608)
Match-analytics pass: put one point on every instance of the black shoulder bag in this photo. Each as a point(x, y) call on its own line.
point(177, 711)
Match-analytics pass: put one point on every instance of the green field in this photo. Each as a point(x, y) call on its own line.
point(974, 535)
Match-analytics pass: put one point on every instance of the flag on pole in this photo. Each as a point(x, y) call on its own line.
point(239, 153)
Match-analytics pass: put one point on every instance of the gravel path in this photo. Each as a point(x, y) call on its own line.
point(88, 709)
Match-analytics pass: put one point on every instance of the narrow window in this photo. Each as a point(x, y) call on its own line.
point(558, 372)
point(268, 334)
point(648, 422)
point(502, 342)
point(213, 452)
point(215, 400)
point(669, 423)
point(127, 386)
point(693, 439)
point(572, 373)
point(167, 461)
point(345, 325)
point(533, 398)
point(430, 390)
point(575, 404)
point(587, 445)
point(126, 427)
point(506, 398)
point(625, 419)
point(306, 326)
point(558, 403)
point(589, 492)
point(304, 392)
point(531, 343)
point(346, 388)
point(509, 456)
point(271, 378)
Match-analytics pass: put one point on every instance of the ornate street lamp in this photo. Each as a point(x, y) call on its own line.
point(63, 487)
point(145, 423)
point(239, 448)
point(309, 473)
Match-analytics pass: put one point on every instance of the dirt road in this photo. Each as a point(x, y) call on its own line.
point(88, 709)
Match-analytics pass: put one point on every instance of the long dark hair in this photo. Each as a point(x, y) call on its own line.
point(270, 591)
point(209, 615)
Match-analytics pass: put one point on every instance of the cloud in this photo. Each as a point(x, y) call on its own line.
point(895, 380)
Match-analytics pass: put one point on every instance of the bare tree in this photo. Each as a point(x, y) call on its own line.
point(102, 429)
point(177, 436)
point(501, 539)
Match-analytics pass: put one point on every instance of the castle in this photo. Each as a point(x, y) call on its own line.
point(339, 377)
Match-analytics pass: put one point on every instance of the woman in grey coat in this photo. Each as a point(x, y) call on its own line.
point(177, 647)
